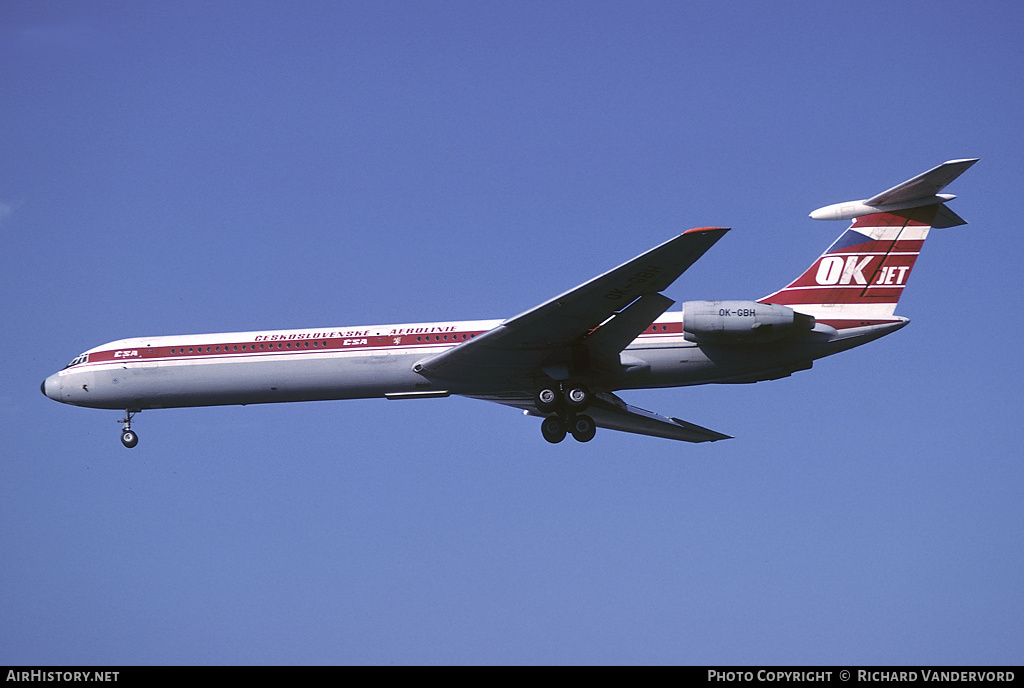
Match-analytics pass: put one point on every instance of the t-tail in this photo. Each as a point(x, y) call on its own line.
point(858, 281)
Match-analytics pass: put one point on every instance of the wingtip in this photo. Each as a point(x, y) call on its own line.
point(696, 230)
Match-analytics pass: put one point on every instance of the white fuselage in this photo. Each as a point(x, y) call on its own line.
point(373, 362)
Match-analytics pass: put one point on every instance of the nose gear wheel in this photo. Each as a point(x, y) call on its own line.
point(129, 438)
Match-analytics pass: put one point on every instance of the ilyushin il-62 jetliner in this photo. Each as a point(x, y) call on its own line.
point(564, 360)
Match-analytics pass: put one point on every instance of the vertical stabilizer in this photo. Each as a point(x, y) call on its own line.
point(862, 275)
point(858, 281)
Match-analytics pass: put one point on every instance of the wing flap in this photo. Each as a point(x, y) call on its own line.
point(612, 413)
point(641, 422)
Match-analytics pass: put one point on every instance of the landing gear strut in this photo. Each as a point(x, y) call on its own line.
point(564, 403)
point(128, 437)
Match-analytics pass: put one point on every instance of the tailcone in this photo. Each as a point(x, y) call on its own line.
point(857, 332)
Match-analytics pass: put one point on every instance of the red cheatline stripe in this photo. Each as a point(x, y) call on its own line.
point(248, 349)
point(881, 246)
point(293, 346)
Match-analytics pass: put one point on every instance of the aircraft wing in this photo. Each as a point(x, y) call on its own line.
point(622, 303)
point(611, 412)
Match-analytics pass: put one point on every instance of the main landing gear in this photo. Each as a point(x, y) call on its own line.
point(565, 402)
point(128, 437)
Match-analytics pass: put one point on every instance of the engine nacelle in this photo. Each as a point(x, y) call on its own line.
point(741, 322)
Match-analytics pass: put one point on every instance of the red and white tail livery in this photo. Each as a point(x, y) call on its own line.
point(858, 281)
point(862, 275)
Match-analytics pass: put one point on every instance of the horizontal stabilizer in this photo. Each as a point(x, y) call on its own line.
point(944, 218)
point(921, 191)
point(924, 185)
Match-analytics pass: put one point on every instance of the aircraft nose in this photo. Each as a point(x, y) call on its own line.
point(51, 388)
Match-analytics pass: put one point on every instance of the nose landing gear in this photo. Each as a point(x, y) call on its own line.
point(128, 437)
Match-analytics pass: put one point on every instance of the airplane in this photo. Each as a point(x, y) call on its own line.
point(565, 360)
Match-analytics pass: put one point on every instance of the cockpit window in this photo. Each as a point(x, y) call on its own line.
point(82, 358)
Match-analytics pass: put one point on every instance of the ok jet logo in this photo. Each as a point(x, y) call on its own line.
point(835, 270)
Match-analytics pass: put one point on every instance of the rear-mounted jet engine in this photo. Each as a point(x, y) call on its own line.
point(741, 322)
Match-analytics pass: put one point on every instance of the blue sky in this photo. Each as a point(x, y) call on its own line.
point(209, 167)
